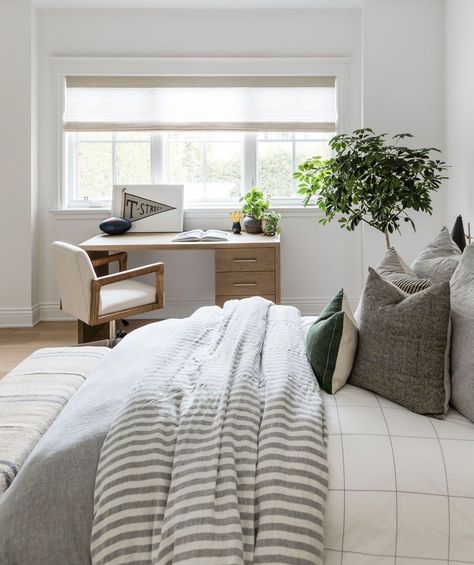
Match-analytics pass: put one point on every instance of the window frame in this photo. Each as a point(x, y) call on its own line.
point(338, 67)
point(159, 167)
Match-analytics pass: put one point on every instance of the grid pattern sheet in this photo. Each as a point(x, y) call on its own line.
point(401, 486)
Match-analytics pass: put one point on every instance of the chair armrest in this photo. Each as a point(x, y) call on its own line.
point(97, 284)
point(121, 257)
point(157, 268)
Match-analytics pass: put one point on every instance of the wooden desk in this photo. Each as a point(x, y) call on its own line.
point(245, 265)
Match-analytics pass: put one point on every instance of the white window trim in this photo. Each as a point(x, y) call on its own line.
point(178, 66)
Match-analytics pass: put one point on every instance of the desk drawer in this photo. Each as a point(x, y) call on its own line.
point(221, 299)
point(249, 259)
point(245, 284)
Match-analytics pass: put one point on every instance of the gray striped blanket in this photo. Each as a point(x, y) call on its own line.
point(218, 456)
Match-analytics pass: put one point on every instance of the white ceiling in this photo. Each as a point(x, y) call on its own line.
point(201, 4)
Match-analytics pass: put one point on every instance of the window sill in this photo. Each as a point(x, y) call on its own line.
point(191, 212)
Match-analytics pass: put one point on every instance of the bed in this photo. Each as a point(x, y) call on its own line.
point(397, 488)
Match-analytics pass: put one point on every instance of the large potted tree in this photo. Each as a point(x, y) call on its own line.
point(371, 180)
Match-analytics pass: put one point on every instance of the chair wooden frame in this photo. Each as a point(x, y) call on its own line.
point(122, 275)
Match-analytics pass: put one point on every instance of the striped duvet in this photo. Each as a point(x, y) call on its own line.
point(218, 455)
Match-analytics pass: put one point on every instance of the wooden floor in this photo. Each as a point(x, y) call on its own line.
point(18, 343)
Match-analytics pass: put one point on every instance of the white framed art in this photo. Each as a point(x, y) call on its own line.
point(150, 207)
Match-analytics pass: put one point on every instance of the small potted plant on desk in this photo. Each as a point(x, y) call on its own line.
point(270, 222)
point(254, 207)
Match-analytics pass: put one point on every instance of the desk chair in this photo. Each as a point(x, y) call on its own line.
point(97, 300)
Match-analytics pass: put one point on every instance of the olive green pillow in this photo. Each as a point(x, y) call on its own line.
point(404, 343)
point(331, 344)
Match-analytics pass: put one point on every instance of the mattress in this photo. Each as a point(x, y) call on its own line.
point(401, 485)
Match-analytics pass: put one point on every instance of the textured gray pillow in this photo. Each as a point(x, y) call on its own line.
point(438, 260)
point(403, 345)
point(462, 343)
point(393, 269)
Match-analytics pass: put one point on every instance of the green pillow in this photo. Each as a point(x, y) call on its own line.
point(331, 344)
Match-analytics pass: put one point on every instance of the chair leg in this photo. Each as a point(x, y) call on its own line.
point(112, 330)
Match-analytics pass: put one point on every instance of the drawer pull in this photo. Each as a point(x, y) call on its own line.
point(244, 284)
point(245, 260)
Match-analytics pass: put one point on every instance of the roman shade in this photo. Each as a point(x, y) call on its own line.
point(201, 103)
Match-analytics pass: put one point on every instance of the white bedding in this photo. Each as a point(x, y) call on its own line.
point(401, 486)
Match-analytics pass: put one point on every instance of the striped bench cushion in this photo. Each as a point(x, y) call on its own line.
point(33, 394)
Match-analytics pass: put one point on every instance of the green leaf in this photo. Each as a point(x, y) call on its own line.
point(368, 179)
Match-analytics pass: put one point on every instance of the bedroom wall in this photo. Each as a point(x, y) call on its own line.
point(403, 91)
point(17, 274)
point(310, 273)
point(459, 106)
point(396, 49)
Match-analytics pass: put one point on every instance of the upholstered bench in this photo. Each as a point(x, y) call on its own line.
point(33, 394)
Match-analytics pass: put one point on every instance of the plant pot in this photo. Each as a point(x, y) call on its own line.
point(236, 228)
point(269, 228)
point(251, 225)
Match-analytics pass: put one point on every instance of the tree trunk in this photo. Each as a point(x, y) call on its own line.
point(387, 239)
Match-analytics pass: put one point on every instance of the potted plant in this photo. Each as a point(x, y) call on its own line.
point(254, 206)
point(270, 222)
point(370, 180)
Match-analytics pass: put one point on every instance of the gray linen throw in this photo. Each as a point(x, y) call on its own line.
point(218, 455)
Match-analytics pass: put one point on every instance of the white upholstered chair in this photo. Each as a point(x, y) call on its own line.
point(97, 300)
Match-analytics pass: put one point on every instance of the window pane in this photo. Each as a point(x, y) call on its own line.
point(204, 136)
point(314, 136)
point(94, 136)
point(275, 135)
point(223, 170)
point(132, 163)
point(207, 163)
point(186, 166)
point(304, 150)
point(133, 136)
point(94, 171)
point(275, 168)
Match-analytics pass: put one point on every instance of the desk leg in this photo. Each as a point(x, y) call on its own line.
point(277, 275)
point(86, 333)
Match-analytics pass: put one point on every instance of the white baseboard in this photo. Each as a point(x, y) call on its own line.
point(18, 317)
point(50, 311)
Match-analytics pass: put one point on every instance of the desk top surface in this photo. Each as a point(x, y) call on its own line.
point(150, 241)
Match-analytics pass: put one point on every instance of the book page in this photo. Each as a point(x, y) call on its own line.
point(191, 235)
point(215, 235)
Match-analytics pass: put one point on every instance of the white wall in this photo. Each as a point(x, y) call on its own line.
point(403, 91)
point(17, 277)
point(396, 84)
point(460, 106)
point(310, 273)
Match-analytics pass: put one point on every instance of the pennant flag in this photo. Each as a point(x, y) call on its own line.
point(137, 208)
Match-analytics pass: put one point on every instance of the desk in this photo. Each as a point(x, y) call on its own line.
point(245, 265)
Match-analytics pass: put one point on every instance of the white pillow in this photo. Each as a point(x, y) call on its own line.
point(462, 341)
point(438, 260)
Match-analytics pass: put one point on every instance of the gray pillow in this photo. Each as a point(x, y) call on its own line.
point(462, 343)
point(438, 260)
point(404, 345)
point(393, 269)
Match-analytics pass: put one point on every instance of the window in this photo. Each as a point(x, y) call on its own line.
point(210, 165)
point(216, 135)
point(279, 154)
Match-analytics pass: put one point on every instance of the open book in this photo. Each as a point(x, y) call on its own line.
point(201, 235)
